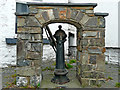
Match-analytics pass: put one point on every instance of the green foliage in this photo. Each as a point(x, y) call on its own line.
point(72, 61)
point(118, 72)
point(38, 85)
point(110, 78)
point(68, 66)
point(54, 63)
point(25, 87)
point(106, 62)
point(117, 84)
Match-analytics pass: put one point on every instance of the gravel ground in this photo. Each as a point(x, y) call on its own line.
point(111, 71)
point(48, 75)
point(8, 76)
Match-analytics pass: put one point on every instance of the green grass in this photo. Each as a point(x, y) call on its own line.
point(48, 68)
point(68, 66)
point(110, 78)
point(117, 84)
point(38, 85)
point(54, 63)
point(119, 72)
point(25, 87)
point(72, 61)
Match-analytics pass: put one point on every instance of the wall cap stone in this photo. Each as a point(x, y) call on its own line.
point(101, 14)
point(112, 47)
point(18, 14)
point(62, 4)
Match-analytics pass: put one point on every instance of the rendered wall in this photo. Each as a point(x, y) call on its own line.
point(7, 30)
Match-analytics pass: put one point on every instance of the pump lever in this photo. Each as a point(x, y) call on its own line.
point(50, 37)
point(50, 34)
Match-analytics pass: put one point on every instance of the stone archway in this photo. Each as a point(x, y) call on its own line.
point(90, 39)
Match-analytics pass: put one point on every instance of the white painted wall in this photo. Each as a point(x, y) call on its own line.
point(111, 7)
point(119, 23)
point(54, 27)
point(48, 53)
point(112, 55)
point(7, 30)
point(73, 30)
point(55, 1)
point(67, 28)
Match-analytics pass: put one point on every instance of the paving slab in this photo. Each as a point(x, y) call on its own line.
point(48, 75)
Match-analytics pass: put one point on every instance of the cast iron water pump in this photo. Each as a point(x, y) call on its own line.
point(60, 71)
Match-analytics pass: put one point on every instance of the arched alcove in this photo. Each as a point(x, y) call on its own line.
point(90, 39)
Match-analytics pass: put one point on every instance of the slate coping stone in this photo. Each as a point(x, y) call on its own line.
point(63, 4)
point(101, 14)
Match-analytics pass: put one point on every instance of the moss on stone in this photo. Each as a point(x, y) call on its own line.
point(110, 78)
point(68, 66)
point(48, 68)
point(117, 84)
point(14, 75)
point(72, 61)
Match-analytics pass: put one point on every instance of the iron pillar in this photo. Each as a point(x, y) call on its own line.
point(60, 72)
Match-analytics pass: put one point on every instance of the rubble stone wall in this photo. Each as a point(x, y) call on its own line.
point(29, 50)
